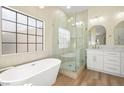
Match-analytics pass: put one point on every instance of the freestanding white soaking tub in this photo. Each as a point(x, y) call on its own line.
point(38, 73)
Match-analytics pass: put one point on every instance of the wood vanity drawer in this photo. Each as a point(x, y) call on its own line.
point(111, 53)
point(112, 68)
point(112, 60)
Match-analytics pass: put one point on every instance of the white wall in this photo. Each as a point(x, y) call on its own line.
point(111, 20)
point(49, 15)
point(54, 18)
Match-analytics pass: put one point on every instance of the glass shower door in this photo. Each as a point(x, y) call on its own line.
point(70, 42)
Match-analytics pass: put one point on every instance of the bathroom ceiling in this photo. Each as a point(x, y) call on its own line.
point(74, 9)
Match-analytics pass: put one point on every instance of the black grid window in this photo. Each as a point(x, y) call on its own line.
point(20, 32)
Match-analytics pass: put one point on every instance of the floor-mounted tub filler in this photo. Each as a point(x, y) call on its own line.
point(39, 73)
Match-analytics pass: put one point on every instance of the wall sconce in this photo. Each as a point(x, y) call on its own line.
point(96, 19)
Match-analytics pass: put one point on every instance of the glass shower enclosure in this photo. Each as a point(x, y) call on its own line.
point(69, 41)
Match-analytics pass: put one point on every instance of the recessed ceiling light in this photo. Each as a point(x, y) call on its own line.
point(41, 7)
point(68, 7)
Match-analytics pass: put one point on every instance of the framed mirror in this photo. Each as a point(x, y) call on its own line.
point(119, 33)
point(97, 35)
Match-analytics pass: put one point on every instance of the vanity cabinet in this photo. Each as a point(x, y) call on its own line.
point(122, 64)
point(95, 60)
point(106, 62)
point(112, 62)
point(90, 61)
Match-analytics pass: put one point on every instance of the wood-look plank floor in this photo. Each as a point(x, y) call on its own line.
point(90, 78)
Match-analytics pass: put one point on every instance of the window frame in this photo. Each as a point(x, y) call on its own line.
point(42, 43)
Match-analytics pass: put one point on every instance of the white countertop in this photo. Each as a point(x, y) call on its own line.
point(107, 50)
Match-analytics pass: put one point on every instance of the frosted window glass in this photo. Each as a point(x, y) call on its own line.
point(20, 32)
point(31, 39)
point(39, 24)
point(8, 48)
point(39, 39)
point(31, 30)
point(8, 26)
point(31, 22)
point(8, 14)
point(21, 28)
point(39, 47)
point(8, 37)
point(64, 38)
point(21, 38)
point(39, 31)
point(31, 47)
point(21, 19)
point(22, 48)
